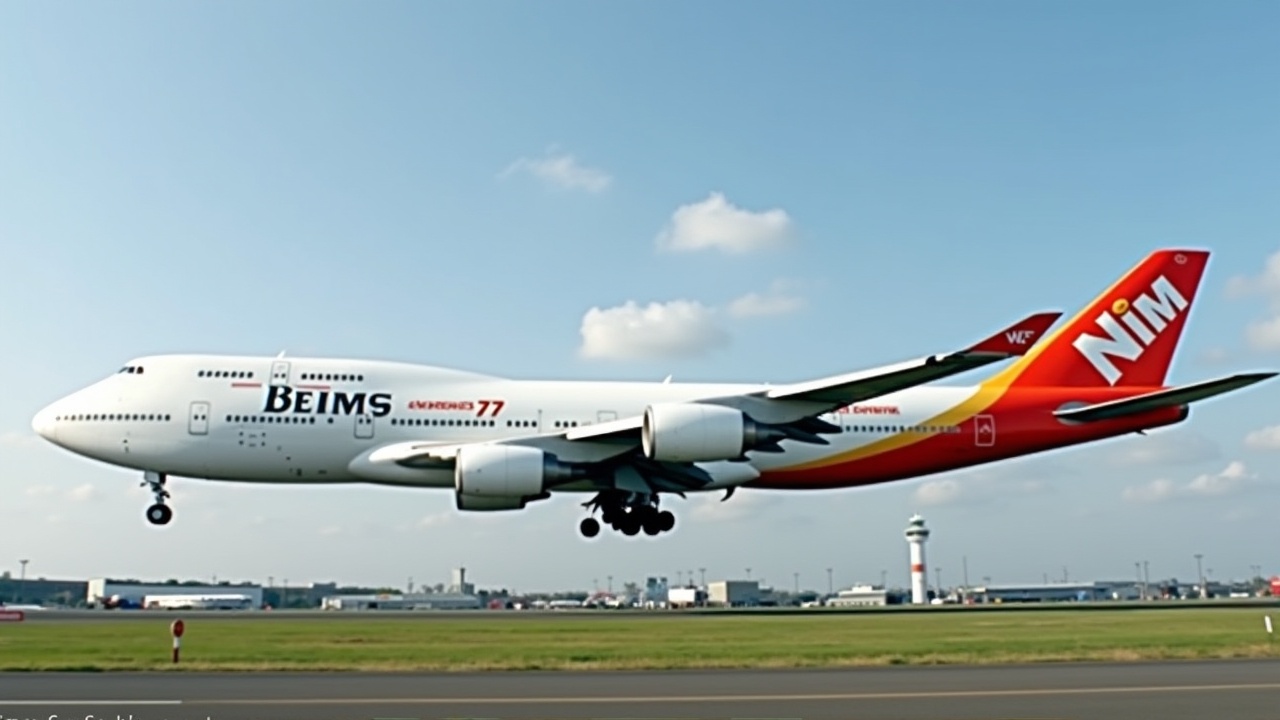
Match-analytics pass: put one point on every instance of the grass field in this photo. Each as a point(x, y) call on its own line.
point(492, 642)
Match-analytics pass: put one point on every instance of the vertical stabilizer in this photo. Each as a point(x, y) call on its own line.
point(1126, 336)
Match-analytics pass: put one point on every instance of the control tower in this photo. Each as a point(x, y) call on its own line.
point(916, 534)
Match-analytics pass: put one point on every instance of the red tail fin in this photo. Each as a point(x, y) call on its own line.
point(1126, 336)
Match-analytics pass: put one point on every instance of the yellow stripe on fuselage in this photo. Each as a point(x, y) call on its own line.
point(986, 396)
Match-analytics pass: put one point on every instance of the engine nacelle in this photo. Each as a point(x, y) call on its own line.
point(506, 477)
point(486, 503)
point(500, 470)
point(693, 432)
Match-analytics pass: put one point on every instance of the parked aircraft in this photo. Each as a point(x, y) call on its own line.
point(500, 444)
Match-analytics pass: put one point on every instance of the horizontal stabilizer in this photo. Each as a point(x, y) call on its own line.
point(1171, 397)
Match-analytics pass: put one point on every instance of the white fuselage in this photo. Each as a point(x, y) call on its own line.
point(316, 420)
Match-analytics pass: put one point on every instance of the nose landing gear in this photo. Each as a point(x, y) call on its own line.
point(159, 513)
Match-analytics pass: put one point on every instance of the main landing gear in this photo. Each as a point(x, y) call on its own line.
point(628, 513)
point(159, 513)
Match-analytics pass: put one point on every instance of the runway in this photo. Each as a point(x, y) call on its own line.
point(57, 616)
point(1168, 690)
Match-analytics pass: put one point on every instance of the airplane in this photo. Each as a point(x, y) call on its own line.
point(501, 444)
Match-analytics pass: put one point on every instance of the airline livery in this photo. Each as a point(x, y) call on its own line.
point(500, 444)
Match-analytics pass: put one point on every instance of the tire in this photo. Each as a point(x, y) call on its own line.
point(651, 524)
point(666, 520)
point(630, 525)
point(159, 514)
point(589, 527)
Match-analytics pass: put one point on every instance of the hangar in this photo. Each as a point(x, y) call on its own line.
point(107, 593)
point(389, 601)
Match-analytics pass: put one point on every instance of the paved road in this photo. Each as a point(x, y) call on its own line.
point(1169, 691)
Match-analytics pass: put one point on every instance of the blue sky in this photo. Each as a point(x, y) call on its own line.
point(475, 184)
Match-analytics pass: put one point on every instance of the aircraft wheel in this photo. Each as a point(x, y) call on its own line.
point(589, 527)
point(666, 520)
point(159, 514)
point(630, 525)
point(650, 524)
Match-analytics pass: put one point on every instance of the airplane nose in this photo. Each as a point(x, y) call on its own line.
point(45, 425)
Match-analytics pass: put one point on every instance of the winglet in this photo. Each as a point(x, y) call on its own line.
point(1018, 338)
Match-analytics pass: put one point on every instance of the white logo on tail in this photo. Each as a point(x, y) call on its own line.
point(1020, 337)
point(1157, 311)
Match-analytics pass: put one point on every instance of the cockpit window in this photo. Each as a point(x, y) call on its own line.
point(130, 369)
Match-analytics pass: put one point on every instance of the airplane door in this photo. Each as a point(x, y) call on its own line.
point(280, 372)
point(364, 427)
point(984, 430)
point(605, 416)
point(198, 421)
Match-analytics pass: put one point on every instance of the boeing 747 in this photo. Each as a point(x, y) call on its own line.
point(501, 444)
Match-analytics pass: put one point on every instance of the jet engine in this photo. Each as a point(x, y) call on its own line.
point(694, 432)
point(485, 503)
point(505, 477)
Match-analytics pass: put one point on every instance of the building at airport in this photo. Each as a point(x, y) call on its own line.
point(1053, 592)
point(733, 593)
point(860, 596)
point(103, 592)
point(405, 601)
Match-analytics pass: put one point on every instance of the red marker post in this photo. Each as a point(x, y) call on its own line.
point(177, 628)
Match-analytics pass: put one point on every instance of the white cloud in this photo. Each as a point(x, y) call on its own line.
point(1154, 491)
point(81, 493)
point(679, 328)
point(435, 520)
point(777, 301)
point(1261, 334)
point(1264, 334)
point(716, 223)
point(1266, 283)
point(1235, 477)
point(993, 483)
point(1231, 479)
point(938, 492)
point(562, 170)
point(39, 490)
point(1268, 438)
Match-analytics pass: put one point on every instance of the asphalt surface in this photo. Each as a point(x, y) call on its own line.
point(1168, 690)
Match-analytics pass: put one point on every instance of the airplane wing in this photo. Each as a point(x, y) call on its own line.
point(1159, 399)
point(790, 410)
point(850, 388)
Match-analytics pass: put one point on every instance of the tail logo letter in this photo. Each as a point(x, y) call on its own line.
point(1019, 337)
point(1159, 308)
